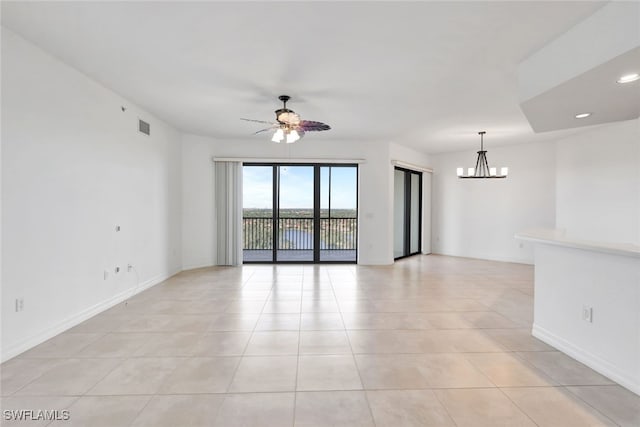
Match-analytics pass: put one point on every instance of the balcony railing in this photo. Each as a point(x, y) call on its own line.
point(336, 234)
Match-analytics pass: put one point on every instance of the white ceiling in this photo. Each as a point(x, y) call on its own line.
point(595, 92)
point(422, 74)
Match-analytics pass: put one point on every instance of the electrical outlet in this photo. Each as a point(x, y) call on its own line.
point(19, 304)
point(587, 314)
point(129, 268)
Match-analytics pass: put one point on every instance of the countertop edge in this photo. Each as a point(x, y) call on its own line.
point(558, 238)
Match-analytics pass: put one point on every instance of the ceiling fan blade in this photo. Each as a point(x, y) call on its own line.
point(258, 121)
point(266, 129)
point(310, 125)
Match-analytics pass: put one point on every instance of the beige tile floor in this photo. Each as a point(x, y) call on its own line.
point(430, 341)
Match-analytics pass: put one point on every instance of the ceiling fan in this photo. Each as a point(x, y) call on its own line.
point(288, 126)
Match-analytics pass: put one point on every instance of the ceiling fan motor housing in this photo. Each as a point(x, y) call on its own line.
point(285, 115)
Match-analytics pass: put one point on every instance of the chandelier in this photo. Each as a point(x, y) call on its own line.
point(482, 169)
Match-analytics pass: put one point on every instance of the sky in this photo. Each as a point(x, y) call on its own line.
point(296, 187)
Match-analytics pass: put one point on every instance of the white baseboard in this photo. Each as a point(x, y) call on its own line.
point(591, 360)
point(197, 266)
point(513, 260)
point(77, 318)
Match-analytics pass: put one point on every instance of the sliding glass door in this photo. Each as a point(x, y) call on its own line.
point(407, 212)
point(295, 191)
point(300, 213)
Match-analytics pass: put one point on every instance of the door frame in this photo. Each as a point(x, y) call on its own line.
point(407, 232)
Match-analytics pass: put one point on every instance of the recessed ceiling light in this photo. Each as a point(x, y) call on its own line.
point(628, 78)
point(582, 115)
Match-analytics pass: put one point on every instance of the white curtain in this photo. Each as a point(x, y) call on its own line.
point(228, 209)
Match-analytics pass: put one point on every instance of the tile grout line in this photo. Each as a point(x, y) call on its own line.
point(226, 393)
point(244, 350)
point(295, 385)
point(566, 387)
point(517, 406)
point(445, 406)
point(150, 398)
point(355, 362)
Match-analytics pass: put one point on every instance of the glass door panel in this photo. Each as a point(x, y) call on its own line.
point(398, 213)
point(414, 215)
point(295, 213)
point(257, 213)
point(338, 213)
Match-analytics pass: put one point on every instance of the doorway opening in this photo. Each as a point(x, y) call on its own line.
point(407, 212)
point(304, 213)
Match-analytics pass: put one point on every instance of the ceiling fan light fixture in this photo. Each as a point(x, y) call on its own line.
point(292, 136)
point(278, 136)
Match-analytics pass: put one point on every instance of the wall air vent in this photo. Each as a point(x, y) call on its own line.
point(144, 127)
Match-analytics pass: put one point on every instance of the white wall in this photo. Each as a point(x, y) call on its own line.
point(427, 207)
point(74, 167)
point(409, 155)
point(478, 218)
point(375, 214)
point(567, 280)
point(598, 183)
point(198, 231)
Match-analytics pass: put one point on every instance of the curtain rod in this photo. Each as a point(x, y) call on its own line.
point(410, 166)
point(282, 160)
